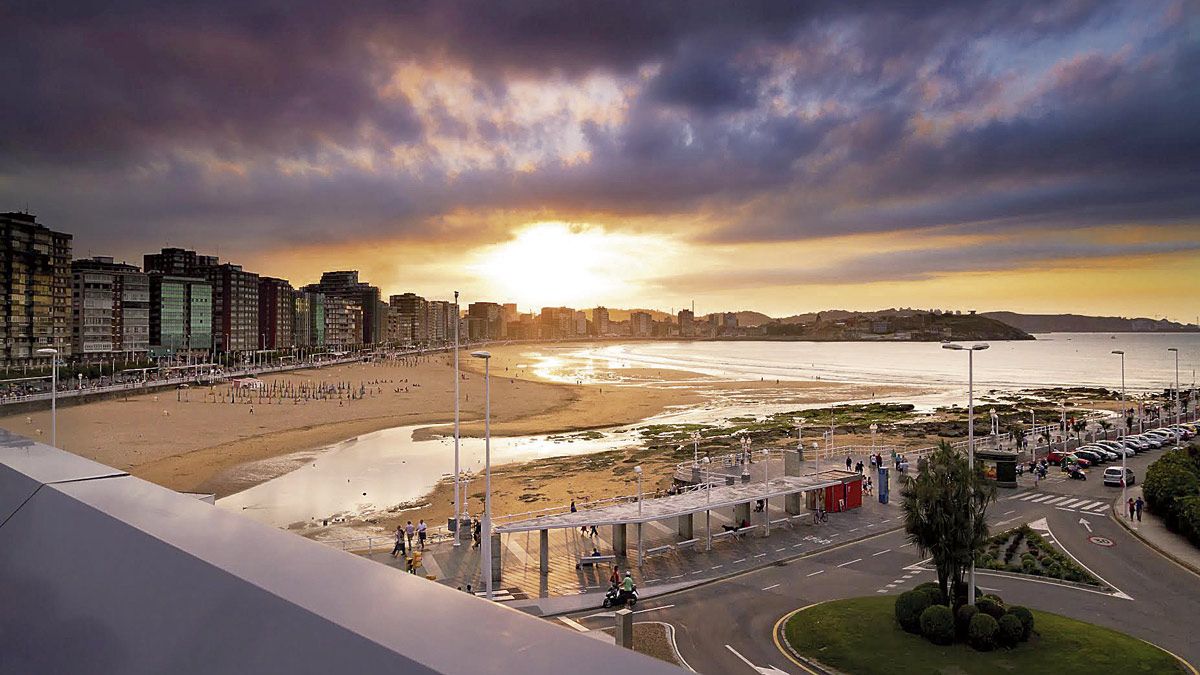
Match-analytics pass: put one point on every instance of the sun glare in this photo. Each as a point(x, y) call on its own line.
point(554, 263)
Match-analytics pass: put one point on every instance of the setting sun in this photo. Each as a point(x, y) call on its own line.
point(556, 263)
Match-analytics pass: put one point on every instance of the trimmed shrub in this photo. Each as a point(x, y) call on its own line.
point(936, 597)
point(963, 620)
point(909, 606)
point(1010, 630)
point(937, 624)
point(981, 632)
point(1026, 618)
point(1029, 566)
point(995, 598)
point(990, 607)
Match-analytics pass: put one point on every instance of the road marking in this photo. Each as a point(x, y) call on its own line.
point(886, 550)
point(1072, 502)
point(764, 670)
point(797, 545)
point(1025, 497)
point(676, 576)
point(816, 573)
point(739, 560)
point(882, 590)
point(1091, 506)
point(573, 624)
point(1063, 509)
point(850, 562)
point(1008, 512)
point(781, 550)
point(651, 609)
point(716, 567)
point(697, 572)
point(886, 520)
point(1039, 500)
point(772, 586)
point(855, 530)
point(1055, 500)
point(906, 545)
point(891, 585)
point(759, 555)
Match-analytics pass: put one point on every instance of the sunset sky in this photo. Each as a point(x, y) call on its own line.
point(783, 157)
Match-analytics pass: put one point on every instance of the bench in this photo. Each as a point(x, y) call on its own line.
point(659, 549)
point(685, 543)
point(593, 560)
point(781, 521)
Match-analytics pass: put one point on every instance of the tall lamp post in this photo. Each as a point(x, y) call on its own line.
point(486, 544)
point(695, 449)
point(457, 377)
point(708, 504)
point(745, 456)
point(53, 354)
point(641, 549)
point(970, 433)
point(1176, 350)
point(1121, 353)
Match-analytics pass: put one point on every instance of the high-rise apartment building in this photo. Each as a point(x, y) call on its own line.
point(485, 321)
point(342, 317)
point(687, 323)
point(641, 324)
point(35, 282)
point(557, 323)
point(234, 295)
point(600, 321)
point(308, 325)
point(110, 309)
point(440, 328)
point(181, 313)
point(276, 313)
point(345, 284)
point(411, 318)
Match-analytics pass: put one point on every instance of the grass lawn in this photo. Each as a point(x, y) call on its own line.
point(860, 635)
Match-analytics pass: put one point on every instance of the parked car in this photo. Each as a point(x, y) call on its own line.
point(1090, 455)
point(1136, 444)
point(1072, 458)
point(1112, 476)
point(1117, 447)
point(1153, 441)
point(1184, 431)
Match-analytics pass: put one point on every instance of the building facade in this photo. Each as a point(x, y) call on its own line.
point(308, 324)
point(600, 321)
point(345, 284)
point(641, 324)
point(411, 318)
point(687, 323)
point(341, 318)
point(180, 313)
point(485, 321)
point(110, 309)
point(35, 281)
point(276, 313)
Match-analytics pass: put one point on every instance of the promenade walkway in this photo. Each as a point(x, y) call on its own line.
point(1151, 530)
point(667, 565)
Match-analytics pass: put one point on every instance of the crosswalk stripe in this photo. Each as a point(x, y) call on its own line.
point(1071, 502)
point(1055, 500)
point(1041, 499)
point(1087, 506)
point(1027, 497)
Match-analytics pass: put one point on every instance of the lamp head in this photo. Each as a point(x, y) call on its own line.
point(1119, 351)
point(951, 345)
point(47, 351)
point(979, 347)
point(482, 355)
point(638, 469)
point(1170, 349)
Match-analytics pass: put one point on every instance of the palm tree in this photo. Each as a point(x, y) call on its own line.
point(1080, 426)
point(1105, 425)
point(945, 515)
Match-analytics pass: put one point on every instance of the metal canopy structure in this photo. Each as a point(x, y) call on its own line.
point(106, 573)
point(694, 501)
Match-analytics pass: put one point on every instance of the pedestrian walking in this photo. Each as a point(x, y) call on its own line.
point(594, 533)
point(1129, 506)
point(398, 549)
point(421, 531)
point(859, 467)
point(1137, 507)
point(848, 463)
point(409, 531)
point(573, 509)
point(478, 531)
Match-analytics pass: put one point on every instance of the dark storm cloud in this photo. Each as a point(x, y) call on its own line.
point(774, 120)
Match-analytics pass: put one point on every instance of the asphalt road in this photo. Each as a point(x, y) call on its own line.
point(739, 613)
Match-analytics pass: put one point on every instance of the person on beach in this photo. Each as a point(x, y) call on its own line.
point(421, 530)
point(399, 547)
point(409, 531)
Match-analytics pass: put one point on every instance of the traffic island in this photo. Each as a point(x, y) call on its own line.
point(862, 636)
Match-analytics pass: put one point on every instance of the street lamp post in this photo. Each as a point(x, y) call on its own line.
point(457, 506)
point(53, 354)
point(641, 549)
point(970, 434)
point(1176, 350)
point(708, 504)
point(486, 544)
point(766, 490)
point(695, 449)
point(1121, 353)
point(745, 456)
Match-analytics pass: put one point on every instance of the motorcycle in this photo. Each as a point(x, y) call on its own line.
point(1076, 474)
point(617, 597)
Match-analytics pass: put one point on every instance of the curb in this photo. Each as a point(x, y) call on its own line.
point(649, 592)
point(1163, 552)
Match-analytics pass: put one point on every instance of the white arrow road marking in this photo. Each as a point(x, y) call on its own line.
point(1085, 523)
point(768, 670)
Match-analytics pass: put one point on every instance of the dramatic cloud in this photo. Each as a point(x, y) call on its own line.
point(268, 126)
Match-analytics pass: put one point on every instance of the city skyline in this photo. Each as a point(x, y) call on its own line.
point(1034, 157)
